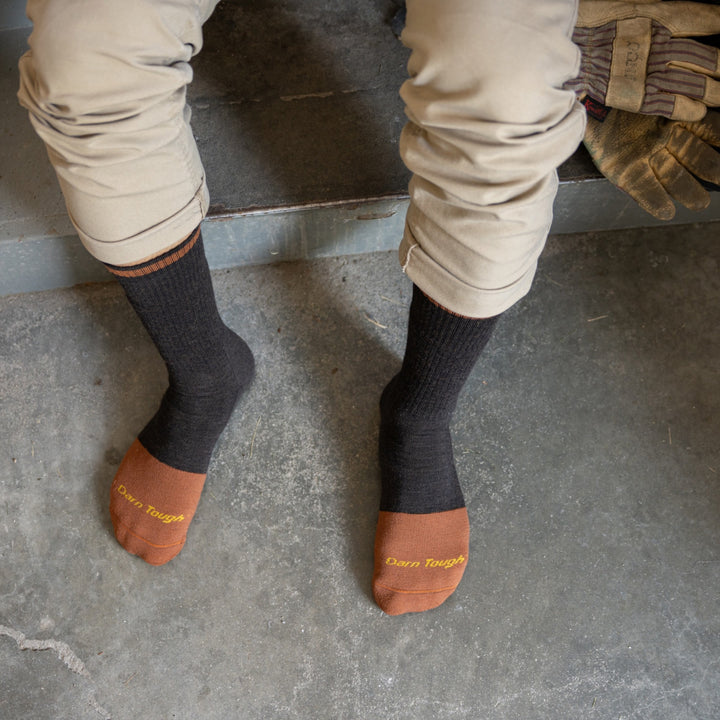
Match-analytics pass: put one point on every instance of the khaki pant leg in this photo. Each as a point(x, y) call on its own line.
point(105, 84)
point(488, 126)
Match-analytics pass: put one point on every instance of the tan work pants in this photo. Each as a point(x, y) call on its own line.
point(105, 85)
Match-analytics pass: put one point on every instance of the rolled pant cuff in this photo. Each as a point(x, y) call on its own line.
point(454, 294)
point(153, 241)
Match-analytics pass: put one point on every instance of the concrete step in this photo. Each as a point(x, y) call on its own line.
point(297, 116)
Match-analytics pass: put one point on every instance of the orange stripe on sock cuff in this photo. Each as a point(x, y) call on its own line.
point(158, 263)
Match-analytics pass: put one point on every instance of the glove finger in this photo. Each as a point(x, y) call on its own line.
point(708, 129)
point(711, 96)
point(683, 19)
point(686, 110)
point(694, 154)
point(677, 81)
point(678, 182)
point(679, 94)
point(640, 182)
point(673, 107)
point(688, 54)
point(653, 200)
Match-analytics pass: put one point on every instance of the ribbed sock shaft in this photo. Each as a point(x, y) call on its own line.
point(422, 510)
point(158, 484)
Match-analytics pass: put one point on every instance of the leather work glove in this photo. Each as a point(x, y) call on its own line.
point(654, 159)
point(636, 56)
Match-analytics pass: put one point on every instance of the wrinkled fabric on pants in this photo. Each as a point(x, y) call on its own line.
point(488, 124)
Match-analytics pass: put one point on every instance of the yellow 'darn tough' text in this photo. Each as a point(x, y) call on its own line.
point(149, 509)
point(429, 562)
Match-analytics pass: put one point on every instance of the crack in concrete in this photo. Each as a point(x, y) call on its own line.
point(64, 653)
point(62, 649)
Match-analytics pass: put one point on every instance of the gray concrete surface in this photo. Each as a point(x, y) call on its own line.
point(12, 15)
point(587, 443)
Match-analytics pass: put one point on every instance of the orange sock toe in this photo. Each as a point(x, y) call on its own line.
point(152, 504)
point(419, 559)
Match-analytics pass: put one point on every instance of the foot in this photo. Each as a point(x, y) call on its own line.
point(157, 487)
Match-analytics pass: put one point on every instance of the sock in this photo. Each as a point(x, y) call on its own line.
point(422, 537)
point(158, 484)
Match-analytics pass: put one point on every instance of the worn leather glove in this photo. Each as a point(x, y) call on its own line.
point(654, 159)
point(636, 56)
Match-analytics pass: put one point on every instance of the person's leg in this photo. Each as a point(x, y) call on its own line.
point(105, 88)
point(105, 85)
point(157, 487)
point(489, 124)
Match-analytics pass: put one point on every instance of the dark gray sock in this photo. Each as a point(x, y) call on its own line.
point(208, 365)
point(416, 456)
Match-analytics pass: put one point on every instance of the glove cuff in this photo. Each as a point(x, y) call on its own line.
point(596, 48)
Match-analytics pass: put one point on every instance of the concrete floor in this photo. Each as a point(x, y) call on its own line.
point(587, 443)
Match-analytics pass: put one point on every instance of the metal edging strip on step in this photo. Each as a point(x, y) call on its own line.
point(324, 229)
